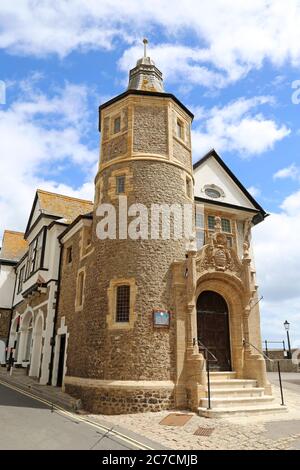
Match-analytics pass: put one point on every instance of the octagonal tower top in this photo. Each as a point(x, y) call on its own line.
point(145, 75)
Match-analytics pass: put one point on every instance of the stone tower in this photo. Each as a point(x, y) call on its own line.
point(149, 304)
point(145, 159)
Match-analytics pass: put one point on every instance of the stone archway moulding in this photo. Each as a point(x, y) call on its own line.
point(231, 289)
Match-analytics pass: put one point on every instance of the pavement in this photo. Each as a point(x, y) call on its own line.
point(29, 424)
point(276, 431)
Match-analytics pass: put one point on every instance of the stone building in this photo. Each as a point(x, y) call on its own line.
point(127, 301)
point(137, 315)
point(32, 295)
point(13, 247)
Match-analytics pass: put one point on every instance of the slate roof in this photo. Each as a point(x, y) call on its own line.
point(60, 206)
point(13, 245)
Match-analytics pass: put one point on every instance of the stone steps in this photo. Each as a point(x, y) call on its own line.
point(222, 375)
point(235, 391)
point(231, 396)
point(233, 383)
point(240, 411)
point(237, 401)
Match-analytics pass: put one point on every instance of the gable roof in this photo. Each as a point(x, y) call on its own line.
point(13, 245)
point(213, 154)
point(58, 206)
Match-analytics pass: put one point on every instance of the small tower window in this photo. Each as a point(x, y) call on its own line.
point(117, 125)
point(69, 255)
point(189, 190)
point(180, 129)
point(120, 183)
point(80, 289)
point(123, 304)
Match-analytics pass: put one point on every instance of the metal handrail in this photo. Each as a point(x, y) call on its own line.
point(205, 348)
point(270, 360)
point(207, 351)
point(258, 350)
point(267, 342)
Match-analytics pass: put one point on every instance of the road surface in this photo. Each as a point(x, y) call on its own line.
point(26, 423)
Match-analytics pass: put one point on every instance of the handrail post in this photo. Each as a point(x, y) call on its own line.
point(280, 383)
point(208, 382)
point(267, 352)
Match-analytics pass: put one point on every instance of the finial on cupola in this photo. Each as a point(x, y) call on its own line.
point(145, 75)
point(145, 41)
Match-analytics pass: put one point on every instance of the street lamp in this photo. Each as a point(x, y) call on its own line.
point(287, 327)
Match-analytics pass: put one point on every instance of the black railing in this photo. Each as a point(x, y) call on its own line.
point(266, 342)
point(270, 360)
point(207, 353)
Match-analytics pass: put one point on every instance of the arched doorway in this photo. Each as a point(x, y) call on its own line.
point(37, 347)
point(23, 348)
point(213, 327)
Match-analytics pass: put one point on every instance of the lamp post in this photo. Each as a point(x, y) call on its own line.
point(287, 327)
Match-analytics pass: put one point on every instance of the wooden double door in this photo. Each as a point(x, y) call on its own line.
point(213, 328)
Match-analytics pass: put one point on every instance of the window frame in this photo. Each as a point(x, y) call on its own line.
point(21, 278)
point(31, 267)
point(199, 226)
point(80, 287)
point(118, 301)
point(69, 255)
point(112, 303)
point(118, 179)
point(117, 119)
point(232, 243)
point(180, 129)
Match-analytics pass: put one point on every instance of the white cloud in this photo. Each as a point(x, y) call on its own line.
point(39, 133)
point(238, 127)
point(231, 37)
point(292, 171)
point(255, 192)
point(277, 253)
point(291, 205)
point(180, 64)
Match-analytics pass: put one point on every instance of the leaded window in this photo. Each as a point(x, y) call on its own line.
point(211, 222)
point(122, 304)
point(120, 184)
point(117, 125)
point(226, 226)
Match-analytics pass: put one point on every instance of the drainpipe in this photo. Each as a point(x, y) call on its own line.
point(55, 316)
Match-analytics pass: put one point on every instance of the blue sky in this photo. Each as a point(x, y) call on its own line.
point(232, 63)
